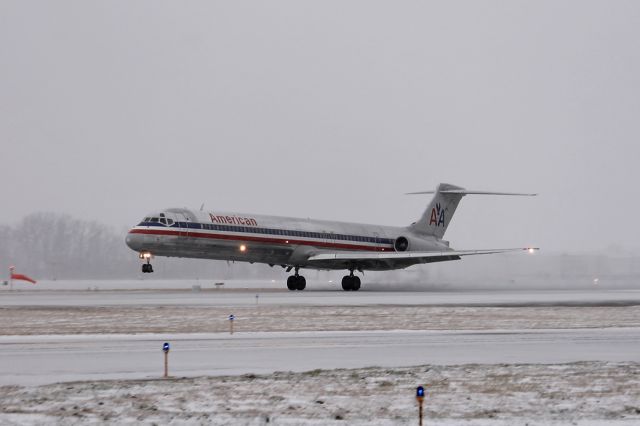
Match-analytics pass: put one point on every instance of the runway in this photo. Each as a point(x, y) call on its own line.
point(51, 336)
point(256, 296)
point(32, 360)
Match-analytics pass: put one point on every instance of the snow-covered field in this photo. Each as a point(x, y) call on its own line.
point(592, 393)
point(486, 358)
point(25, 320)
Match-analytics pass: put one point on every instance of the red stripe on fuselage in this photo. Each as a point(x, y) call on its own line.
point(191, 234)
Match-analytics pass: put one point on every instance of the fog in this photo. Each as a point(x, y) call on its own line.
point(333, 110)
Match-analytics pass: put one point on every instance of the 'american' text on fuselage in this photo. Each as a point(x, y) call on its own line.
point(233, 220)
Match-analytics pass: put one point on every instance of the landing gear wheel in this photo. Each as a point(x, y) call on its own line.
point(355, 286)
point(291, 282)
point(301, 283)
point(347, 283)
point(147, 268)
point(351, 283)
point(296, 282)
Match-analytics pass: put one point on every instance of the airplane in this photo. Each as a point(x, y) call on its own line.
point(295, 243)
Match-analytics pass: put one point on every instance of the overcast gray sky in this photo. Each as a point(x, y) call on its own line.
point(328, 109)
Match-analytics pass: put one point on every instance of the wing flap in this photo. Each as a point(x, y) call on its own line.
point(416, 256)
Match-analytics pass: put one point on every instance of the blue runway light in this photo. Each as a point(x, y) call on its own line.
point(420, 392)
point(165, 347)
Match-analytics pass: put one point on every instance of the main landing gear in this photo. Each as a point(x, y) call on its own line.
point(296, 282)
point(350, 282)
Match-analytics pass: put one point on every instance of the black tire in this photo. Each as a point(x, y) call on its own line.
point(347, 283)
point(145, 268)
point(150, 269)
point(291, 282)
point(301, 283)
point(356, 284)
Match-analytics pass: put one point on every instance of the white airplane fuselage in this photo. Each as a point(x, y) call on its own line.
point(296, 243)
point(272, 240)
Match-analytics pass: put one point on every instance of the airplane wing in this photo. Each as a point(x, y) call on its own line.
point(368, 260)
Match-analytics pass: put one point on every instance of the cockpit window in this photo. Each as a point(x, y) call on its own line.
point(163, 218)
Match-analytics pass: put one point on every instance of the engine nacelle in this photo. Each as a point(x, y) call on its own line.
point(412, 243)
point(401, 244)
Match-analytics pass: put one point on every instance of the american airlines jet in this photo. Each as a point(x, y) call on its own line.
point(298, 244)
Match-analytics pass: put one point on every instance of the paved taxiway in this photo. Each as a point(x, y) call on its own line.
point(247, 297)
point(46, 359)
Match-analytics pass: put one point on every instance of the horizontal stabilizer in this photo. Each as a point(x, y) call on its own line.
point(467, 192)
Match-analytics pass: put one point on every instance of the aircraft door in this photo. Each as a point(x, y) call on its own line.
point(183, 225)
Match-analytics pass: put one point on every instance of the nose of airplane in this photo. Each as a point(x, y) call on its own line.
point(134, 241)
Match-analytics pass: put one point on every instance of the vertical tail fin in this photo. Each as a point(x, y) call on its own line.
point(436, 217)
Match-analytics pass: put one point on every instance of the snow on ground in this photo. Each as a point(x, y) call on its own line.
point(582, 393)
point(31, 320)
point(588, 393)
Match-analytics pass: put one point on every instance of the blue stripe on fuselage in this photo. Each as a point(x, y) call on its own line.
point(273, 231)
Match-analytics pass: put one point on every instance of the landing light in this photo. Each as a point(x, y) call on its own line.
point(145, 255)
point(243, 248)
point(532, 250)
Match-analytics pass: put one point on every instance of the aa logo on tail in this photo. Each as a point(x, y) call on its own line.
point(437, 216)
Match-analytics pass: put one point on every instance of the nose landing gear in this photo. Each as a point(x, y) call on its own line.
point(146, 267)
